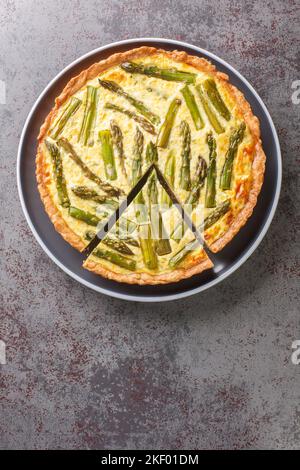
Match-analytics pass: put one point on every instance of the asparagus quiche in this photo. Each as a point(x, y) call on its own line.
point(148, 255)
point(140, 108)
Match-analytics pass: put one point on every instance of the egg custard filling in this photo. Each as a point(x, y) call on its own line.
point(148, 254)
point(141, 108)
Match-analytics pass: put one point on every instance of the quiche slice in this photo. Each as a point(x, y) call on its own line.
point(148, 255)
point(141, 107)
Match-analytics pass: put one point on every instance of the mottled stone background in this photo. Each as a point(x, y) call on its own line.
point(87, 371)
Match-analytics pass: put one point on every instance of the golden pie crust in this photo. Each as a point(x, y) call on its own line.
point(258, 164)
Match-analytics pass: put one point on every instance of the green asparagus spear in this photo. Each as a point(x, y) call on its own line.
point(115, 258)
point(192, 106)
point(106, 187)
point(89, 116)
point(71, 109)
point(137, 157)
point(165, 130)
point(136, 170)
point(84, 216)
point(162, 243)
point(209, 112)
point(117, 139)
point(216, 99)
point(126, 225)
point(147, 248)
point(115, 88)
point(117, 245)
point(131, 241)
point(143, 122)
point(234, 142)
point(108, 154)
point(60, 181)
point(83, 192)
point(210, 196)
point(185, 177)
point(151, 153)
point(118, 232)
point(170, 177)
point(192, 199)
point(145, 236)
point(172, 75)
point(89, 235)
point(198, 181)
point(217, 213)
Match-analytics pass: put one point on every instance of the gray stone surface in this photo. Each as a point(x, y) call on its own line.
point(88, 371)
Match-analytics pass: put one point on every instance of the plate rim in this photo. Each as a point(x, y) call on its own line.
point(237, 264)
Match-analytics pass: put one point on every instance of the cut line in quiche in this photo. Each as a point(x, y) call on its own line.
point(150, 106)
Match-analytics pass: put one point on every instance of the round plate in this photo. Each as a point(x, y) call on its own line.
point(68, 259)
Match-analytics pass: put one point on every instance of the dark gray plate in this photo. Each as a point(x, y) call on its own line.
point(70, 260)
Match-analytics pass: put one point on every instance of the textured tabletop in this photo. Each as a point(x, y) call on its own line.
point(87, 371)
